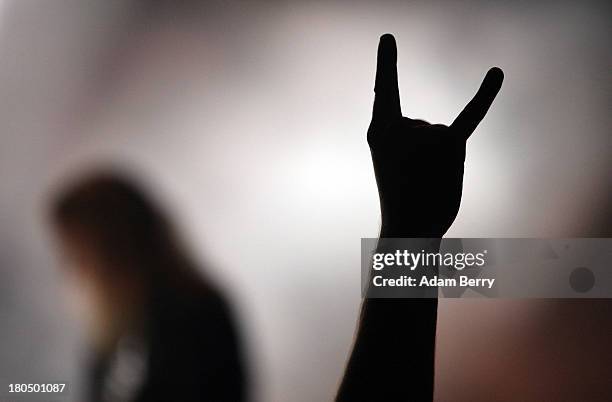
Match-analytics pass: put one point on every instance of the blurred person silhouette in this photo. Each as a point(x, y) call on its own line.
point(160, 331)
point(394, 350)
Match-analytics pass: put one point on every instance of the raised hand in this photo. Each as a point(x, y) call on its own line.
point(419, 172)
point(419, 166)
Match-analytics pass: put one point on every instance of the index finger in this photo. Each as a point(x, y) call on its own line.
point(386, 99)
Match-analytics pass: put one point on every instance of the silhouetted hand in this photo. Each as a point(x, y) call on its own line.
point(419, 172)
point(419, 166)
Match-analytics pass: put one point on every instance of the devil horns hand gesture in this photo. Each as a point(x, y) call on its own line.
point(419, 166)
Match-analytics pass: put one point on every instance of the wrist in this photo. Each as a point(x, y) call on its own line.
point(407, 229)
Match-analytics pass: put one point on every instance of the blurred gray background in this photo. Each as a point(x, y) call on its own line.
point(248, 119)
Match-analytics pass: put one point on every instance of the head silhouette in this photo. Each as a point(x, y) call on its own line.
point(120, 249)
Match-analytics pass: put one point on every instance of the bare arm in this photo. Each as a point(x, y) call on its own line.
point(419, 173)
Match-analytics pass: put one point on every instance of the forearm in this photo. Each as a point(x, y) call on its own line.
point(393, 355)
